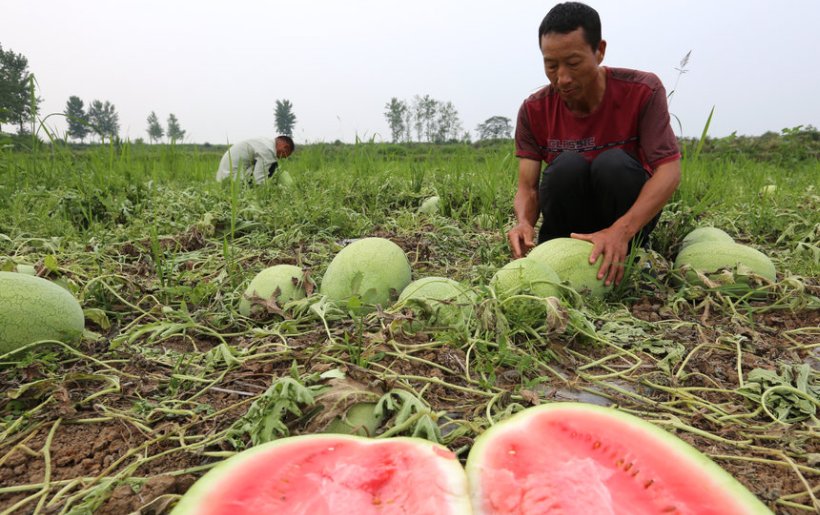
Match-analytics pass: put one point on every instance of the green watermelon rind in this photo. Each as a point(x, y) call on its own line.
point(702, 234)
point(526, 276)
point(708, 257)
point(430, 206)
point(265, 283)
point(443, 301)
point(35, 309)
point(680, 452)
point(360, 419)
point(374, 269)
point(569, 257)
point(191, 501)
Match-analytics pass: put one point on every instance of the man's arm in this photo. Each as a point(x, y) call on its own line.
point(613, 241)
point(260, 170)
point(525, 205)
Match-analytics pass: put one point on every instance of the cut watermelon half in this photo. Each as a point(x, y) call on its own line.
point(574, 458)
point(322, 474)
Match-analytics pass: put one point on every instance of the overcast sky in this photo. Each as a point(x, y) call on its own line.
point(220, 66)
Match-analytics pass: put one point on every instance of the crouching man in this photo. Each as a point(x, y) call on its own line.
point(255, 159)
point(612, 158)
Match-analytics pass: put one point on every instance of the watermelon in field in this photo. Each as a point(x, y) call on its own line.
point(430, 206)
point(24, 268)
point(523, 286)
point(324, 474)
point(375, 270)
point(526, 276)
point(34, 309)
point(570, 260)
point(284, 179)
point(578, 458)
point(709, 257)
point(706, 234)
point(360, 419)
point(276, 284)
point(438, 301)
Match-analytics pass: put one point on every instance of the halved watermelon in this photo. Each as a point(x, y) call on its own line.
point(575, 458)
point(322, 474)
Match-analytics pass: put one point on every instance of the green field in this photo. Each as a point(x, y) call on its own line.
point(170, 379)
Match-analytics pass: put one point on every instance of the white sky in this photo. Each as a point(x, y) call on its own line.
point(220, 66)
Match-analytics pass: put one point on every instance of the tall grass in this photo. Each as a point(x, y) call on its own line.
point(119, 192)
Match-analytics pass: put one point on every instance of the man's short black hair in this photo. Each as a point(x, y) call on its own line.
point(568, 16)
point(288, 140)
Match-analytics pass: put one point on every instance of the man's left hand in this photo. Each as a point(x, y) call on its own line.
point(613, 243)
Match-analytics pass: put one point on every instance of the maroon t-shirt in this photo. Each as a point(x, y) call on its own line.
point(633, 115)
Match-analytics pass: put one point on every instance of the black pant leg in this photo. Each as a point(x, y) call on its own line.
point(616, 180)
point(564, 197)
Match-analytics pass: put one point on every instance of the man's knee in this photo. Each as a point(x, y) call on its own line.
point(568, 170)
point(615, 167)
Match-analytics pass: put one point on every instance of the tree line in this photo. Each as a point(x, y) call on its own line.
point(423, 118)
point(435, 121)
point(102, 119)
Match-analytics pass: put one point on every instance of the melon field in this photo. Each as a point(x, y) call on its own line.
point(170, 378)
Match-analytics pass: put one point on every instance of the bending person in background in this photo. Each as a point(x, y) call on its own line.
point(256, 159)
point(612, 158)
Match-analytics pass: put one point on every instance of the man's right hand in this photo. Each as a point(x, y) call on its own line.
point(521, 238)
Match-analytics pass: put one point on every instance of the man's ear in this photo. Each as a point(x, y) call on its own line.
point(599, 54)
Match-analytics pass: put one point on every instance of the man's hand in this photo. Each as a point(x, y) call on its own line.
point(613, 243)
point(521, 239)
point(525, 205)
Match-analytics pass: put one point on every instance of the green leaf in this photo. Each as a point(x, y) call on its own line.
point(50, 262)
point(97, 316)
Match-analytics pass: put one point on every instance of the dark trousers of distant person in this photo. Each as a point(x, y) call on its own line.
point(576, 195)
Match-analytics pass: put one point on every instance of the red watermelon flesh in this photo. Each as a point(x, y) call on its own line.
point(323, 474)
point(571, 458)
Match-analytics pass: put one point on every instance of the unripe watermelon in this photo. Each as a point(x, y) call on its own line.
point(284, 179)
point(438, 301)
point(517, 282)
point(768, 189)
point(359, 419)
point(279, 283)
point(374, 269)
point(579, 458)
point(328, 474)
point(346, 406)
point(526, 276)
point(23, 268)
point(34, 309)
point(430, 206)
point(570, 260)
point(708, 257)
point(706, 234)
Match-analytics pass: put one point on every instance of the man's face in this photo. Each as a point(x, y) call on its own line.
point(283, 149)
point(570, 64)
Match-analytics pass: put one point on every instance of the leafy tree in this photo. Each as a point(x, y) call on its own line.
point(495, 127)
point(418, 120)
point(448, 124)
point(155, 130)
point(175, 132)
point(77, 118)
point(18, 103)
point(104, 120)
point(285, 119)
point(424, 111)
point(395, 112)
point(408, 124)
